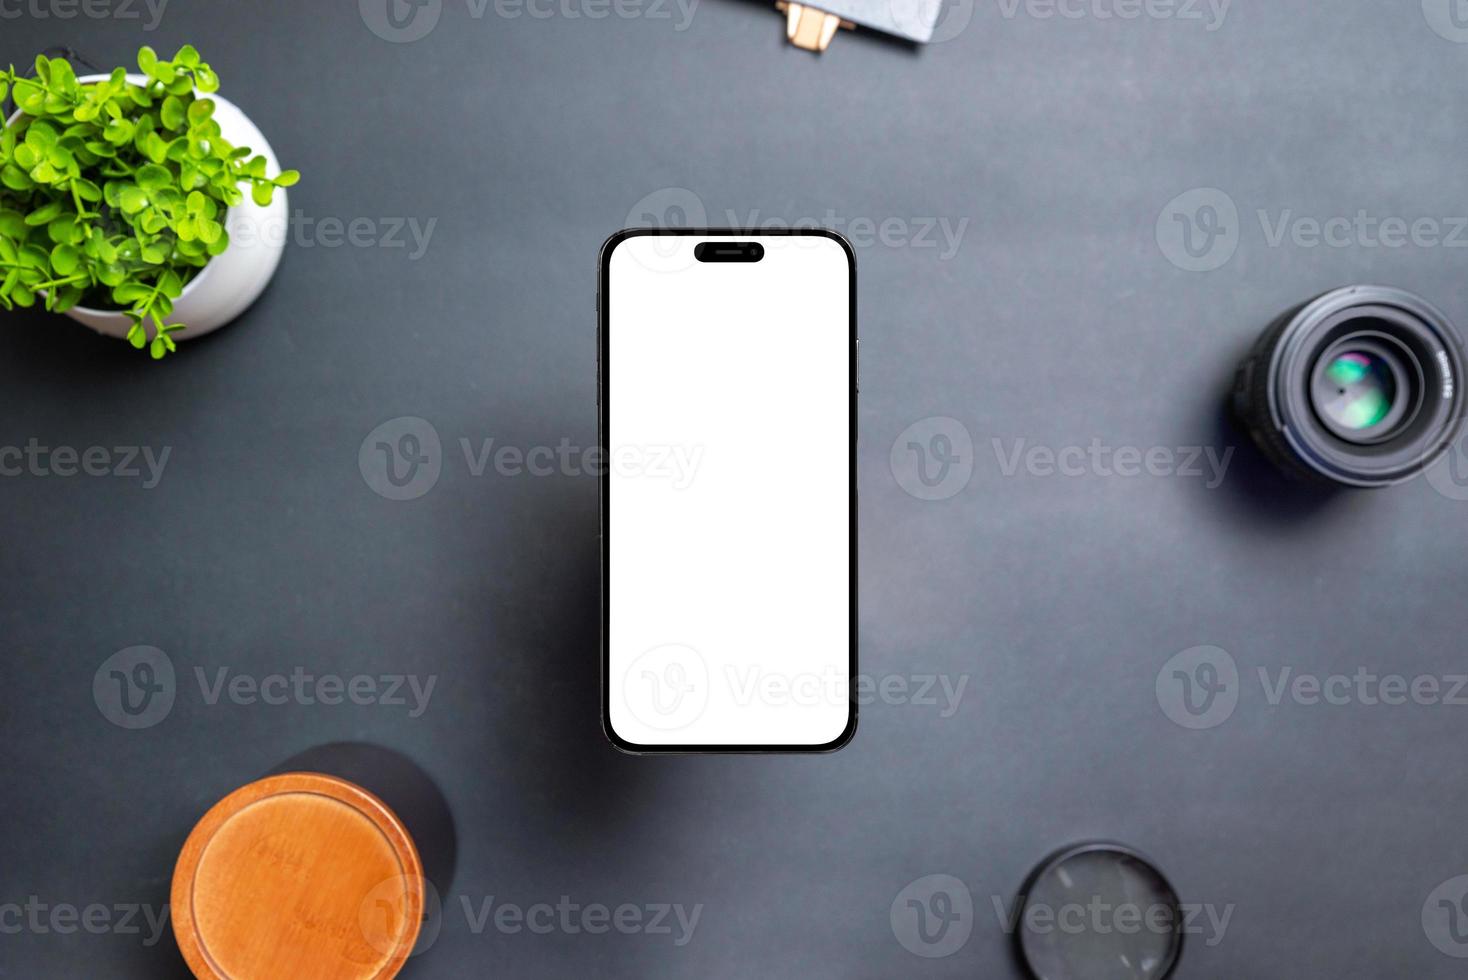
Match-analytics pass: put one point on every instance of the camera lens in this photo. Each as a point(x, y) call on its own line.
point(1357, 387)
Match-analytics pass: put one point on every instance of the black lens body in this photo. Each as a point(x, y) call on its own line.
point(1361, 387)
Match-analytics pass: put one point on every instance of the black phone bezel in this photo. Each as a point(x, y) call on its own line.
point(603, 309)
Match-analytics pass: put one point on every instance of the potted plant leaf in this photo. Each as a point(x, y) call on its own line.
point(141, 204)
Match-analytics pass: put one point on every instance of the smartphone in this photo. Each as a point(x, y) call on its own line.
point(727, 386)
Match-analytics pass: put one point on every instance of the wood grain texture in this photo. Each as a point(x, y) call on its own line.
point(298, 875)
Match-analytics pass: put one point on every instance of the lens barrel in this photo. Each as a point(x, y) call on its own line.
point(1360, 387)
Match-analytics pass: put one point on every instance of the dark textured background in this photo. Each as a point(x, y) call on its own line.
point(1059, 320)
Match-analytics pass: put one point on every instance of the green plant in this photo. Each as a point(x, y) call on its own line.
point(113, 194)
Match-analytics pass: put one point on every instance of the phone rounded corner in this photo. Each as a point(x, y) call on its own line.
point(619, 743)
point(617, 238)
point(840, 240)
point(844, 739)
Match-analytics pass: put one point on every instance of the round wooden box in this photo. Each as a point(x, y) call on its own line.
point(298, 875)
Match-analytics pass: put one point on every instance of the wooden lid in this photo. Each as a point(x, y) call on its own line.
point(300, 875)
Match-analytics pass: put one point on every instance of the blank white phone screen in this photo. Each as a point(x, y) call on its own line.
point(728, 430)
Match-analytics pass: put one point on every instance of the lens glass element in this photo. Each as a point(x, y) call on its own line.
point(1364, 390)
point(1099, 912)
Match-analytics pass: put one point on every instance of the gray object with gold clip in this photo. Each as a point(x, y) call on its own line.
point(813, 27)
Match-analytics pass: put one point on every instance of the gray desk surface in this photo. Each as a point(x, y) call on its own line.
point(1056, 145)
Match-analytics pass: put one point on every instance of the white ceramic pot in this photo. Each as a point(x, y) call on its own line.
point(236, 277)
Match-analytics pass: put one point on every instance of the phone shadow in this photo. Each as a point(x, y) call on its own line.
point(564, 766)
